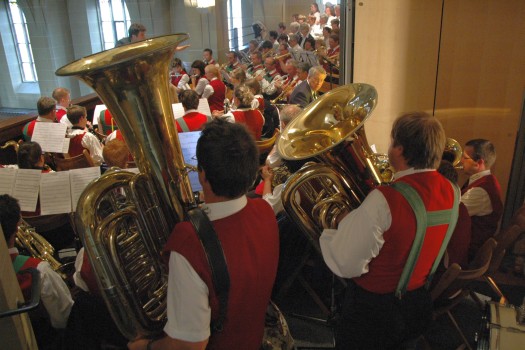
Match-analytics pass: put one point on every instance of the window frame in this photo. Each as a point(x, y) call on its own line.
point(127, 22)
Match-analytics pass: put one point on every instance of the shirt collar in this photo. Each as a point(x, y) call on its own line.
point(220, 210)
point(191, 111)
point(478, 176)
point(61, 107)
point(410, 171)
point(13, 250)
point(42, 119)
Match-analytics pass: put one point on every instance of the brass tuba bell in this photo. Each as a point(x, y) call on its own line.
point(124, 219)
point(331, 131)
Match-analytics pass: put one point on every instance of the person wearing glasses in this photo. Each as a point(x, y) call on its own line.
point(482, 193)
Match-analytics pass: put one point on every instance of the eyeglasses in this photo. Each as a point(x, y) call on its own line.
point(466, 157)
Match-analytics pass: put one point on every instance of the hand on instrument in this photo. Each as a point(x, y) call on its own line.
point(267, 173)
point(217, 114)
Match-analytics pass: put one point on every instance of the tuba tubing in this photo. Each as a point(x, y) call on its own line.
point(124, 219)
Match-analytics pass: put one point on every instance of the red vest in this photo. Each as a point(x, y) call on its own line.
point(250, 242)
point(385, 269)
point(260, 99)
point(24, 280)
point(194, 122)
point(176, 78)
point(88, 275)
point(60, 113)
point(459, 243)
point(484, 227)
point(28, 129)
point(75, 145)
point(252, 118)
point(216, 101)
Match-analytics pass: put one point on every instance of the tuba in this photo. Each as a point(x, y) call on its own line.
point(331, 131)
point(124, 219)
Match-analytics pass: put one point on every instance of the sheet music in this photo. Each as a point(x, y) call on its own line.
point(50, 136)
point(188, 143)
point(26, 188)
point(204, 108)
point(55, 193)
point(96, 114)
point(65, 145)
point(7, 180)
point(79, 179)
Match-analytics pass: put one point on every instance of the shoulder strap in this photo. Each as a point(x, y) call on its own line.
point(183, 124)
point(19, 261)
point(423, 220)
point(216, 260)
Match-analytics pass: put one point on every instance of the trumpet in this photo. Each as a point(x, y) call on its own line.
point(281, 56)
point(291, 85)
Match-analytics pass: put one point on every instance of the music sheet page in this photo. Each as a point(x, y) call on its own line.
point(204, 107)
point(7, 180)
point(178, 110)
point(26, 187)
point(55, 193)
point(79, 179)
point(50, 136)
point(188, 144)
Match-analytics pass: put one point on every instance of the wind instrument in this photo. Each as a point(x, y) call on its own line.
point(124, 219)
point(291, 85)
point(282, 56)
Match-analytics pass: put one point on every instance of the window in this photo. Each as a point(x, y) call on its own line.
point(22, 43)
point(235, 24)
point(115, 21)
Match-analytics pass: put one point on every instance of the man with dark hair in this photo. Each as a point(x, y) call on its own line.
point(482, 193)
point(136, 32)
point(80, 139)
point(46, 107)
point(247, 230)
point(372, 243)
point(207, 57)
point(54, 293)
point(192, 120)
point(273, 39)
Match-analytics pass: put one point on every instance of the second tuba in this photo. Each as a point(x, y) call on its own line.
point(124, 219)
point(330, 131)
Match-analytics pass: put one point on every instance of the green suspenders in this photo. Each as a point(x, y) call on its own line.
point(183, 125)
point(19, 261)
point(423, 220)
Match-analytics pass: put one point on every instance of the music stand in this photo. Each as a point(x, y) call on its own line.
point(309, 57)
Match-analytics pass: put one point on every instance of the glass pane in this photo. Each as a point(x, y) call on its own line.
point(25, 56)
point(107, 30)
point(128, 22)
point(122, 30)
point(20, 33)
point(118, 13)
point(15, 13)
point(105, 10)
point(35, 76)
point(27, 72)
point(110, 45)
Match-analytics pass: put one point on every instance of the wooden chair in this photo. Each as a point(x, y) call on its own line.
point(83, 160)
point(452, 287)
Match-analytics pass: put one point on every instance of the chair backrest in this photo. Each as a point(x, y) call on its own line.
point(452, 283)
point(265, 146)
point(83, 160)
point(519, 217)
point(505, 239)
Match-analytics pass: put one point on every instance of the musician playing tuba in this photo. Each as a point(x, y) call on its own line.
point(247, 230)
point(387, 302)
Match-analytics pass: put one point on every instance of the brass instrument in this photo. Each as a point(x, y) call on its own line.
point(282, 56)
point(124, 219)
point(453, 152)
point(331, 130)
point(284, 91)
point(38, 247)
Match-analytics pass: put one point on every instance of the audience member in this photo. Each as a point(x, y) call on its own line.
point(192, 120)
point(136, 32)
point(372, 243)
point(46, 107)
point(304, 30)
point(247, 231)
point(314, 12)
point(80, 139)
point(482, 193)
point(54, 293)
point(306, 91)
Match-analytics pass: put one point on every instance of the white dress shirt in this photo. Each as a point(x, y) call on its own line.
point(476, 199)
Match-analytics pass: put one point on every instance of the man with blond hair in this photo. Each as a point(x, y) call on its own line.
point(215, 91)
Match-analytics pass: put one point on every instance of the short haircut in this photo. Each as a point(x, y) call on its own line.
point(289, 112)
point(447, 170)
point(258, 54)
point(135, 29)
point(177, 62)
point(273, 34)
point(282, 25)
point(334, 37)
point(335, 20)
point(189, 99)
point(208, 50)
point(9, 215)
point(228, 155)
point(199, 65)
point(45, 105)
point(294, 37)
point(483, 149)
point(235, 54)
point(316, 71)
point(254, 85)
point(28, 155)
point(311, 41)
point(211, 68)
point(328, 29)
point(283, 37)
point(244, 94)
point(294, 26)
point(304, 66)
point(422, 138)
point(304, 26)
point(60, 93)
point(116, 153)
point(266, 45)
point(75, 112)
point(324, 17)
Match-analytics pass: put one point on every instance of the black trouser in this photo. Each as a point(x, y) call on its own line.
point(382, 321)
